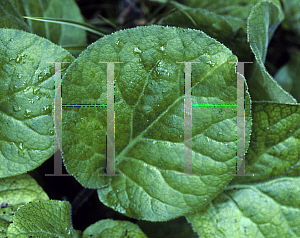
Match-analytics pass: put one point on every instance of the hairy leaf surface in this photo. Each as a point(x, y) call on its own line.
point(275, 141)
point(43, 219)
point(113, 228)
point(149, 120)
point(269, 209)
point(14, 192)
point(26, 100)
point(262, 23)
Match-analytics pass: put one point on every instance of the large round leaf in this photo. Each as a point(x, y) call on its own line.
point(149, 120)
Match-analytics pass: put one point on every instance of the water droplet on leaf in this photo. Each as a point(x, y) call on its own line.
point(136, 49)
point(17, 108)
point(21, 147)
point(27, 113)
point(35, 90)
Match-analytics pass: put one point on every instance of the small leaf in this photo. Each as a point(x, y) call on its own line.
point(44, 219)
point(16, 191)
point(111, 228)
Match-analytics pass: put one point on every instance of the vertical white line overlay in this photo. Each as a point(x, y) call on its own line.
point(240, 121)
point(188, 160)
point(110, 136)
point(57, 121)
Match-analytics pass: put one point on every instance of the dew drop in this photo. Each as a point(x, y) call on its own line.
point(209, 62)
point(40, 77)
point(27, 113)
point(26, 89)
point(136, 49)
point(18, 60)
point(35, 90)
point(17, 108)
point(46, 109)
point(162, 48)
point(15, 88)
point(21, 147)
point(51, 132)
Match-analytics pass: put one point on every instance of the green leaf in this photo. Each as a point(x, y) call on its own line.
point(288, 76)
point(262, 23)
point(10, 17)
point(229, 30)
point(236, 8)
point(269, 209)
point(292, 13)
point(16, 191)
point(275, 141)
point(60, 34)
point(26, 100)
point(149, 120)
point(43, 219)
point(111, 228)
point(225, 21)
